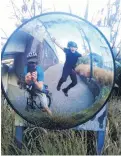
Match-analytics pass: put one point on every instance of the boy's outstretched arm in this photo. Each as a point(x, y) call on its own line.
point(54, 40)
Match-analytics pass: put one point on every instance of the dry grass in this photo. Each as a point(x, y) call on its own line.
point(7, 129)
point(113, 136)
point(101, 75)
point(38, 141)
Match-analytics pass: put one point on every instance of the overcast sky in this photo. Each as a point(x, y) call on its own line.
point(77, 6)
point(7, 23)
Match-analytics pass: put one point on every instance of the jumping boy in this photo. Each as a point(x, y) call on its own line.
point(68, 70)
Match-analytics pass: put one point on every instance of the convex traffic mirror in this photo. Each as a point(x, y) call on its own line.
point(57, 70)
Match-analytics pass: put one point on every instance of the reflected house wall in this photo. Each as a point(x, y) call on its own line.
point(19, 46)
point(8, 76)
point(12, 78)
point(16, 43)
point(5, 76)
point(20, 58)
point(46, 54)
point(15, 48)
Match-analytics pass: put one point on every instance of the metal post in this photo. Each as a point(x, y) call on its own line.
point(101, 134)
point(100, 141)
point(19, 128)
point(19, 136)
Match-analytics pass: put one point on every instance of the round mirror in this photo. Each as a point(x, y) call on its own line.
point(57, 70)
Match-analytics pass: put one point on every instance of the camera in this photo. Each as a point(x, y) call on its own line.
point(31, 67)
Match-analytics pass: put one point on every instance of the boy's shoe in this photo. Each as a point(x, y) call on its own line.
point(65, 92)
point(58, 88)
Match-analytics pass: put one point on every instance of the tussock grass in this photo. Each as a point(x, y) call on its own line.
point(7, 128)
point(113, 136)
point(38, 141)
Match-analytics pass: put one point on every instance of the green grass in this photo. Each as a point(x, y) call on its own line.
point(38, 141)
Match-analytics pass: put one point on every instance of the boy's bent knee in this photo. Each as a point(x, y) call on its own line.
point(63, 79)
point(74, 83)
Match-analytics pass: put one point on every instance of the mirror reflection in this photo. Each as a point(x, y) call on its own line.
point(57, 70)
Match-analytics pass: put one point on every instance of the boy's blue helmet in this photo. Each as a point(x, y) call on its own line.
point(72, 44)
